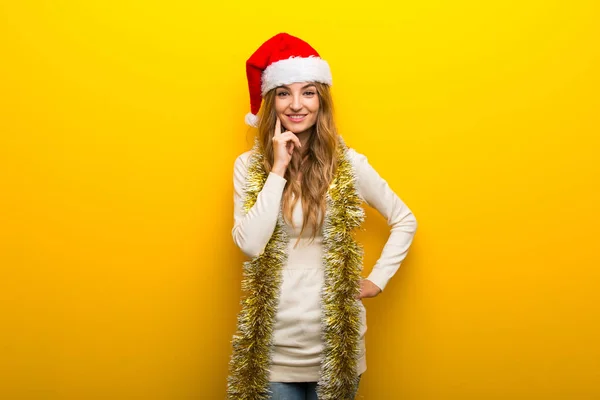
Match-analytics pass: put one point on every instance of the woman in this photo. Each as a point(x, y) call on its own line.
point(297, 201)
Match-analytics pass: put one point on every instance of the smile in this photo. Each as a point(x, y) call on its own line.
point(296, 117)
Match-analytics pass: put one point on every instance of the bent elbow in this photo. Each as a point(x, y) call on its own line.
point(251, 251)
point(414, 223)
point(249, 247)
point(411, 223)
point(406, 223)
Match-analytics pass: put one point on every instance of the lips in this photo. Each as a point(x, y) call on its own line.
point(296, 117)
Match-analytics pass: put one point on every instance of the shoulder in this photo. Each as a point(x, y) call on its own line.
point(360, 166)
point(241, 161)
point(244, 157)
point(358, 160)
point(240, 166)
point(364, 171)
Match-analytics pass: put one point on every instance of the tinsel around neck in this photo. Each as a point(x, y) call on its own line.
point(340, 320)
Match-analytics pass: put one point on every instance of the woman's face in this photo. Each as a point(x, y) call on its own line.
point(297, 106)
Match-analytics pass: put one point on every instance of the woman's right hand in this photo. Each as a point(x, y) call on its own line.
point(283, 148)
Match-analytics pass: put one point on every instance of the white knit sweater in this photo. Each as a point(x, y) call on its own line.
point(298, 345)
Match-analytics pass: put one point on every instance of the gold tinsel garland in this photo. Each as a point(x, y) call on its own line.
point(342, 260)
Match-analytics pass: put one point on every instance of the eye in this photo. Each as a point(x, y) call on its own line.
point(282, 94)
point(309, 93)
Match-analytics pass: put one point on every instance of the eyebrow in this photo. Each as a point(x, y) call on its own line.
point(303, 87)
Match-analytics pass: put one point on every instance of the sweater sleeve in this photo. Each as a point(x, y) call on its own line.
point(377, 194)
point(251, 231)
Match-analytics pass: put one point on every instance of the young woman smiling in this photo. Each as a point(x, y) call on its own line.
point(298, 197)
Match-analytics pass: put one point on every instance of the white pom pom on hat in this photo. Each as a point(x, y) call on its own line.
point(251, 119)
point(281, 60)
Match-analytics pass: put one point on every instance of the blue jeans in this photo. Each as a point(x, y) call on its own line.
point(296, 390)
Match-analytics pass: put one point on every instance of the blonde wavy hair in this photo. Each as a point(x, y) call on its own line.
point(319, 166)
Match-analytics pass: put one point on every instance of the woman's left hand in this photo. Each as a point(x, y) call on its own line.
point(368, 289)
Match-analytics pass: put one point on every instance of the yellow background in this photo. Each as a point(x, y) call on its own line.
point(119, 125)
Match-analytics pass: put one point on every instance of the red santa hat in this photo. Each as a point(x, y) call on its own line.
point(281, 60)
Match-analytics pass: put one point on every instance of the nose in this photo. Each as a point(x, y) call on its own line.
point(296, 103)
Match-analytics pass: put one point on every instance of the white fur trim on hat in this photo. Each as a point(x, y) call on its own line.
point(251, 119)
point(295, 69)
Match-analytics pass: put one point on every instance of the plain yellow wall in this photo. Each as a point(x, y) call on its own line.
point(119, 125)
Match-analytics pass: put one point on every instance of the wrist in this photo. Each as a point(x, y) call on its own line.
point(279, 170)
